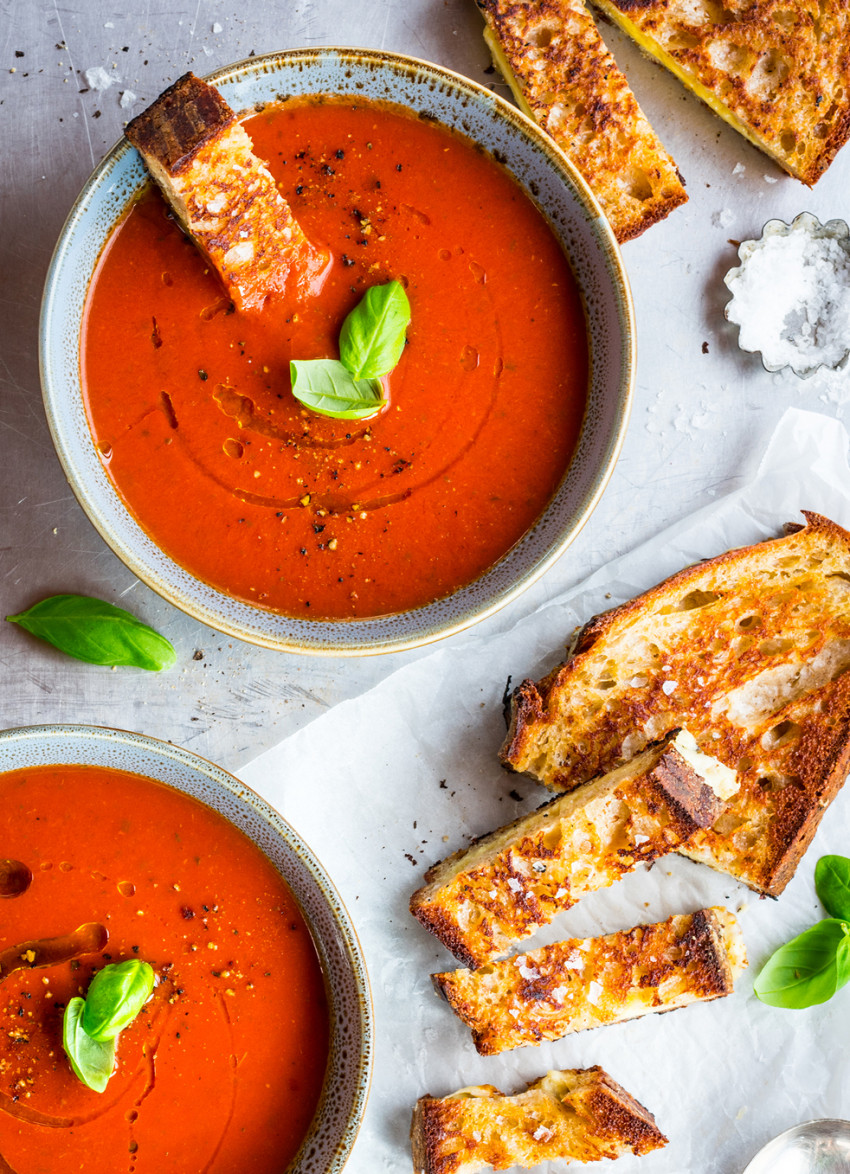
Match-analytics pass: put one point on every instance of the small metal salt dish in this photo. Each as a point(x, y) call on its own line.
point(836, 230)
point(815, 1147)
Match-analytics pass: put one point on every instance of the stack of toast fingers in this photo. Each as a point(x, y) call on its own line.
point(709, 716)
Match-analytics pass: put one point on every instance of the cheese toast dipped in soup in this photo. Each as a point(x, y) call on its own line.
point(341, 369)
point(162, 1007)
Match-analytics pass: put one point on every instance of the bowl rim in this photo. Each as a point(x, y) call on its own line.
point(282, 828)
point(427, 630)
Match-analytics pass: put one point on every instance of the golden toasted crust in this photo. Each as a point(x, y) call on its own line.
point(563, 76)
point(575, 1115)
point(224, 197)
point(748, 652)
point(777, 72)
point(583, 983)
point(507, 884)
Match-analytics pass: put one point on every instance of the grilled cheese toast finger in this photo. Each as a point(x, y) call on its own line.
point(563, 77)
point(750, 653)
point(583, 983)
point(575, 1115)
point(778, 73)
point(223, 195)
point(506, 885)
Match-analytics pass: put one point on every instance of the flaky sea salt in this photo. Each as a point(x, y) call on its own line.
point(127, 99)
point(98, 79)
point(791, 295)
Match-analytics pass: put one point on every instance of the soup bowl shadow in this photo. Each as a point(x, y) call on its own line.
point(337, 1119)
point(541, 169)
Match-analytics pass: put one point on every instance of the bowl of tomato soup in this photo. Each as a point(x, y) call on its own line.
point(172, 412)
point(254, 1050)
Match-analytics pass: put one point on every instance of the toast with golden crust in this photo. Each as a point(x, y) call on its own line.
point(508, 884)
point(583, 983)
point(562, 76)
point(749, 652)
point(222, 194)
point(575, 1115)
point(778, 73)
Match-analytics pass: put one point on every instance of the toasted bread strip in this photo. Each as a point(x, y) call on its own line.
point(778, 73)
point(587, 982)
point(749, 652)
point(563, 76)
point(509, 883)
point(576, 1115)
point(223, 196)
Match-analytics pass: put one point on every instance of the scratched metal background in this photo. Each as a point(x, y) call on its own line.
point(702, 415)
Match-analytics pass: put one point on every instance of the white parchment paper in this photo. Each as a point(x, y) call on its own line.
point(386, 784)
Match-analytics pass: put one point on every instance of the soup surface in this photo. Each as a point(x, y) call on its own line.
point(190, 403)
point(222, 1069)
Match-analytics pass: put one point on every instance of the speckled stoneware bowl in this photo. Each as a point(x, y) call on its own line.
point(337, 1120)
point(576, 219)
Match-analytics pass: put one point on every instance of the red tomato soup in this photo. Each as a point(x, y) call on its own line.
point(222, 1069)
point(190, 402)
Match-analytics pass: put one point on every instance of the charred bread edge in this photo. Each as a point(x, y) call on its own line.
point(192, 112)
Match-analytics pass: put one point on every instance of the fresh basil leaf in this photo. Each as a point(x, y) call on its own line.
point(115, 997)
point(372, 336)
point(326, 387)
point(91, 1061)
point(97, 632)
point(832, 882)
point(809, 969)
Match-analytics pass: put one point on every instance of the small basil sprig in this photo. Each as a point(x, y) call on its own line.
point(326, 387)
point(91, 1025)
point(832, 882)
point(372, 336)
point(96, 632)
point(811, 967)
point(91, 1061)
point(370, 345)
point(115, 997)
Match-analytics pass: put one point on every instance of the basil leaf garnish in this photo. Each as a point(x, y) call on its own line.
point(372, 336)
point(326, 387)
point(91, 1061)
point(809, 969)
point(832, 882)
point(115, 997)
point(96, 632)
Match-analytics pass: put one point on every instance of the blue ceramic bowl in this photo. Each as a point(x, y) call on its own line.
point(577, 220)
point(343, 1099)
